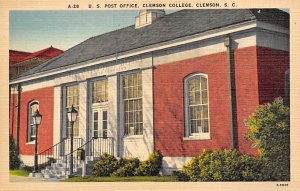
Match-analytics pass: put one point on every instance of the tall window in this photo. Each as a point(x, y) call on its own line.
point(133, 104)
point(72, 95)
point(31, 133)
point(99, 92)
point(196, 105)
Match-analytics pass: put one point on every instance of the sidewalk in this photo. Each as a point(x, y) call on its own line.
point(29, 179)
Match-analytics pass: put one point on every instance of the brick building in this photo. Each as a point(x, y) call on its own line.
point(178, 83)
point(20, 62)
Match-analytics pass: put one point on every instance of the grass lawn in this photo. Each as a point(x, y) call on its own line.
point(122, 179)
point(18, 173)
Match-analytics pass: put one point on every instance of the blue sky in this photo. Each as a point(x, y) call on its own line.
point(35, 30)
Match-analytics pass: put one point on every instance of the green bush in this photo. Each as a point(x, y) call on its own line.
point(14, 159)
point(106, 165)
point(270, 133)
point(127, 167)
point(225, 165)
point(151, 166)
point(27, 168)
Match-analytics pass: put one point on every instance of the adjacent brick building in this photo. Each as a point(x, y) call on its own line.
point(20, 62)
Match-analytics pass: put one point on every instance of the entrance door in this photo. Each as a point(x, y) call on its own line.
point(101, 142)
point(99, 123)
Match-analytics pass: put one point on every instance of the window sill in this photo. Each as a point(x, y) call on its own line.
point(30, 143)
point(198, 137)
point(133, 137)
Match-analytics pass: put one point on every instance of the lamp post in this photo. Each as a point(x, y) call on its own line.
point(36, 118)
point(72, 116)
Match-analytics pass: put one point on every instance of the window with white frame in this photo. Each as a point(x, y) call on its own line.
point(133, 104)
point(72, 98)
point(31, 130)
point(99, 91)
point(196, 106)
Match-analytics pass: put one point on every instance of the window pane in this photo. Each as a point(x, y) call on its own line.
point(204, 97)
point(205, 126)
point(197, 97)
point(205, 111)
point(193, 126)
point(203, 83)
point(95, 125)
point(104, 115)
point(95, 116)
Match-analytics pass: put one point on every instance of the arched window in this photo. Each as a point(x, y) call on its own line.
point(196, 106)
point(31, 129)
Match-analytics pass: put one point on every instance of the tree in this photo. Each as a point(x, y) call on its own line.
point(14, 160)
point(270, 133)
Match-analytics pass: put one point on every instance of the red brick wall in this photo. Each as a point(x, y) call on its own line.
point(13, 110)
point(169, 105)
point(272, 65)
point(169, 102)
point(247, 100)
point(45, 135)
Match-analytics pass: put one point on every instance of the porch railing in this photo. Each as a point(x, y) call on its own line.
point(94, 148)
point(57, 151)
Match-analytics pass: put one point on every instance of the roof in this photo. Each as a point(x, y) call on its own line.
point(175, 25)
point(46, 54)
point(16, 56)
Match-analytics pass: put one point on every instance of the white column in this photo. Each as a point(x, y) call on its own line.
point(112, 130)
point(82, 110)
point(148, 111)
point(57, 114)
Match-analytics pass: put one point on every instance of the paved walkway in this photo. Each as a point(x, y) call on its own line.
point(29, 179)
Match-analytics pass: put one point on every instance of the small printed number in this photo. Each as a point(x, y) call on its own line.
point(74, 6)
point(282, 184)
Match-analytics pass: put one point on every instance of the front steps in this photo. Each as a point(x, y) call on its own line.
point(59, 170)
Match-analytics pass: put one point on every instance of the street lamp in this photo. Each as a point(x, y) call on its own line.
point(72, 116)
point(36, 119)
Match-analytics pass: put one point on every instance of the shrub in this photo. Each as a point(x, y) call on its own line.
point(27, 168)
point(14, 160)
point(151, 166)
point(270, 133)
point(106, 165)
point(226, 165)
point(127, 167)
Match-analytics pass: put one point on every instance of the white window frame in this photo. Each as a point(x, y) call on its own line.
point(187, 125)
point(91, 82)
point(122, 123)
point(68, 127)
point(29, 120)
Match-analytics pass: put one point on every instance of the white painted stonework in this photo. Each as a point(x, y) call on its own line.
point(171, 164)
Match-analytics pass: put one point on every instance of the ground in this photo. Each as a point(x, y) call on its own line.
point(123, 179)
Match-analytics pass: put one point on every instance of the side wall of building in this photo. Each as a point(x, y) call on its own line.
point(272, 63)
point(44, 96)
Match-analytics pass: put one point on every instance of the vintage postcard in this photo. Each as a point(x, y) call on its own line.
point(118, 95)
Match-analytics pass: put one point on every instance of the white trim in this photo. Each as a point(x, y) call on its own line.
point(121, 105)
point(271, 27)
point(187, 128)
point(30, 143)
point(199, 136)
point(29, 119)
point(170, 164)
point(151, 48)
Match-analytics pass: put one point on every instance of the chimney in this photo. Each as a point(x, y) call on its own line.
point(146, 17)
